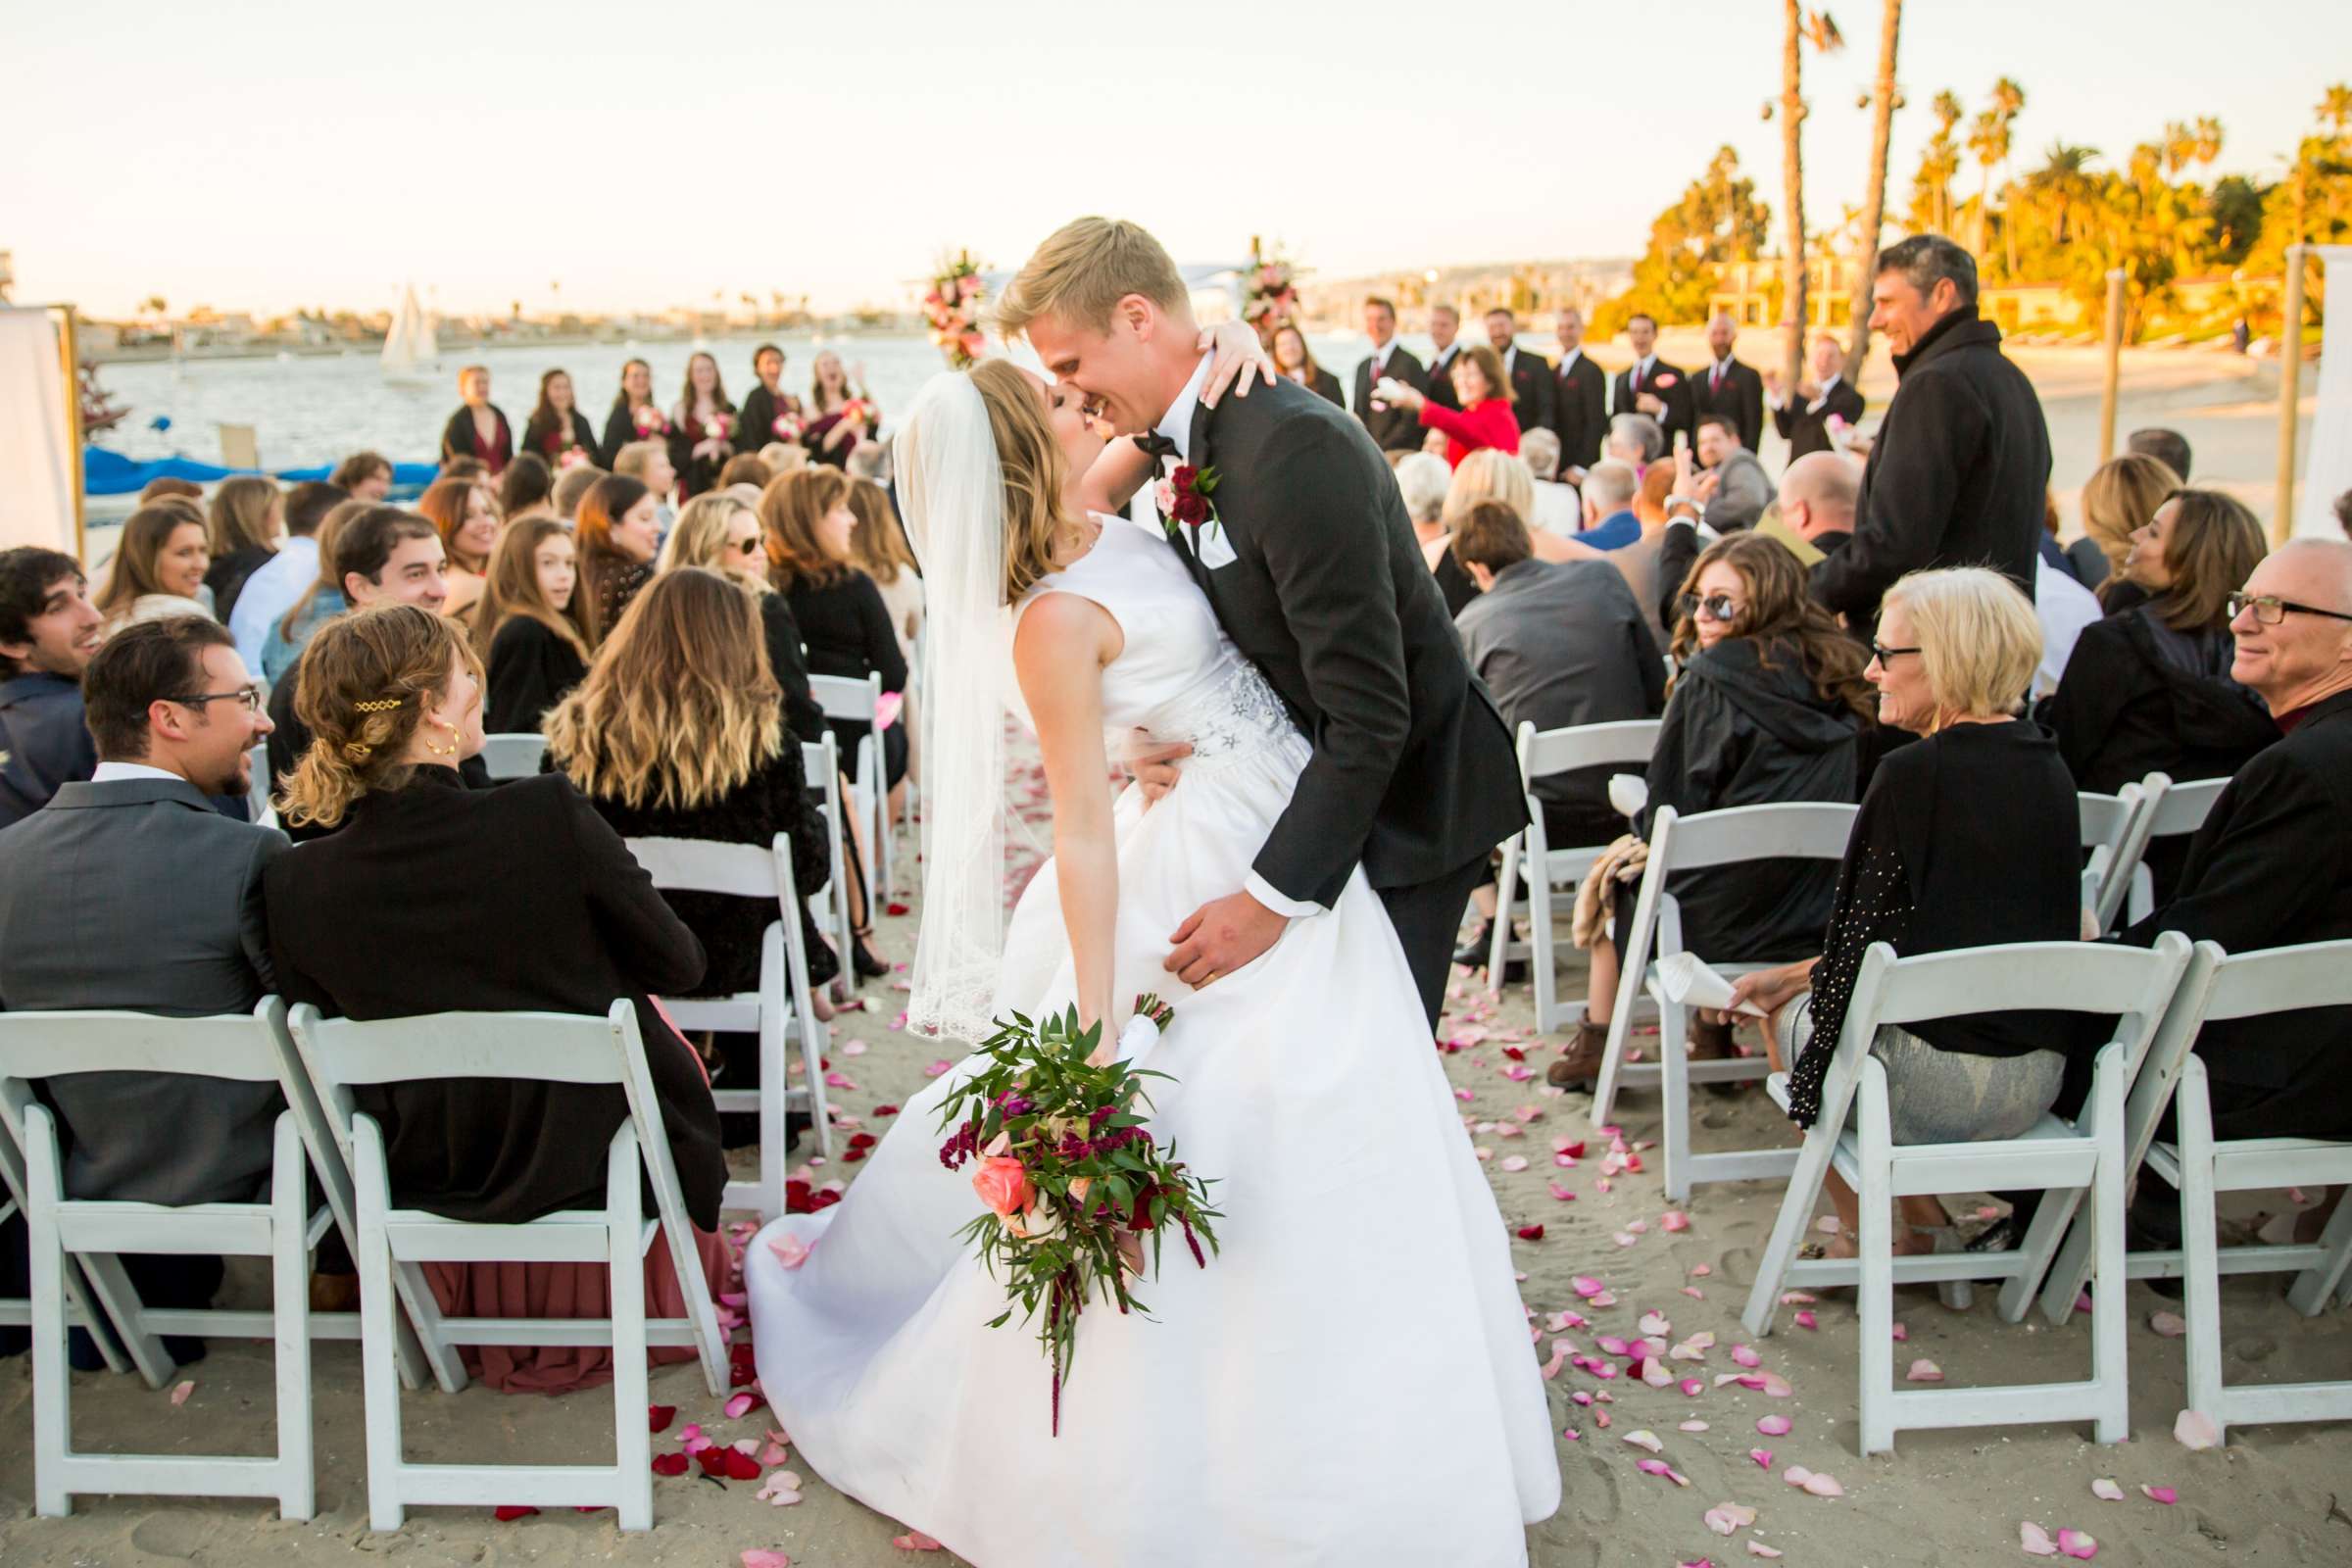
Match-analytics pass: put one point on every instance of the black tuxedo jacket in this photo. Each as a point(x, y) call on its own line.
point(1669, 385)
point(1392, 429)
point(1740, 396)
point(1439, 383)
point(1531, 389)
point(1807, 432)
point(1413, 773)
point(1580, 414)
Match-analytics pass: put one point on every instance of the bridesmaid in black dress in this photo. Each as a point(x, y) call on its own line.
point(479, 428)
point(556, 429)
point(703, 428)
point(635, 415)
point(838, 418)
point(769, 413)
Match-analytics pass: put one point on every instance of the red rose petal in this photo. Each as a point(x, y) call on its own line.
point(1530, 1233)
point(670, 1464)
point(740, 1467)
point(511, 1512)
point(659, 1416)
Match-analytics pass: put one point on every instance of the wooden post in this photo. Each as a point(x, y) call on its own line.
point(2290, 388)
point(2115, 362)
point(69, 349)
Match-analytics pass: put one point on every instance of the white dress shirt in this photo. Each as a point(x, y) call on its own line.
point(1568, 358)
point(270, 593)
point(1380, 358)
point(117, 772)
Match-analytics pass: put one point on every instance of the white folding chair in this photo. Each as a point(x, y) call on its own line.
point(542, 1047)
point(2219, 987)
point(779, 1009)
point(2064, 1159)
point(1808, 830)
point(258, 806)
point(81, 1306)
point(1553, 873)
point(2109, 823)
point(2169, 811)
point(843, 698)
point(512, 757)
point(822, 760)
point(36, 1045)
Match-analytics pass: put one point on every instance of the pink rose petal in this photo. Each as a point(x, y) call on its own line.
point(2106, 1490)
point(1585, 1285)
point(181, 1391)
point(1699, 1271)
point(1827, 1224)
point(1824, 1486)
point(741, 1404)
point(2193, 1428)
point(2171, 1325)
point(1605, 1298)
point(1796, 1475)
point(1514, 1164)
point(1798, 1299)
point(1644, 1439)
point(2164, 1494)
point(1757, 1548)
point(1745, 1355)
point(915, 1541)
point(2078, 1544)
point(1900, 1334)
point(765, 1559)
point(934, 1072)
point(1654, 1323)
point(1773, 1426)
point(2035, 1540)
point(1806, 1321)
point(1659, 1467)
point(790, 1249)
point(1561, 1193)
point(1674, 1219)
point(1692, 1387)
point(1924, 1371)
point(1690, 1426)
point(1728, 1518)
point(1762, 1456)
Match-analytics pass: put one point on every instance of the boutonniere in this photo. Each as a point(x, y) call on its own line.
point(1183, 497)
point(1666, 379)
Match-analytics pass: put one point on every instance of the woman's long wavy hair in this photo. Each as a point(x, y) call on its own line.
point(1781, 613)
point(790, 509)
point(149, 529)
point(513, 589)
point(680, 707)
point(1033, 468)
point(699, 538)
point(879, 546)
point(444, 504)
point(607, 502)
point(240, 518)
point(366, 684)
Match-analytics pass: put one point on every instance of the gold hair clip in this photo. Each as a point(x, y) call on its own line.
point(356, 751)
point(383, 705)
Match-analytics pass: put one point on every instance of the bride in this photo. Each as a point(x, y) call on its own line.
point(1349, 1381)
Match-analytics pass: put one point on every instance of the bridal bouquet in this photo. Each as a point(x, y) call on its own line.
point(1072, 1179)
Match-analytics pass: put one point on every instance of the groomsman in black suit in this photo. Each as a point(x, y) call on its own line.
point(1728, 386)
point(1530, 372)
point(1392, 429)
point(1444, 327)
point(1651, 386)
point(1803, 418)
point(1580, 396)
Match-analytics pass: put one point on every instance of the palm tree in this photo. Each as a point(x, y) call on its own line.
point(1988, 137)
point(1800, 28)
point(1873, 209)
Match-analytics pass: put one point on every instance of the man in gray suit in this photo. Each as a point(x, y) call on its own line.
point(1741, 489)
point(129, 891)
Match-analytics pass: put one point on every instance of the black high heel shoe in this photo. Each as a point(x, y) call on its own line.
point(862, 956)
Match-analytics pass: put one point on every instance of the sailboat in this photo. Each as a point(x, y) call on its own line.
point(412, 354)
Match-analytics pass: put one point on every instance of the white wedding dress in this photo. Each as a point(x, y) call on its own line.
point(1349, 1382)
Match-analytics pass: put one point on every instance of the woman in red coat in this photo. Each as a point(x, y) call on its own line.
point(1485, 419)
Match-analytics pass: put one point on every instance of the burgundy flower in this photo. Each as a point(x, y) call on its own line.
point(1184, 478)
point(1191, 508)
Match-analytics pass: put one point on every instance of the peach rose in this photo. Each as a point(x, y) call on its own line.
point(1002, 1184)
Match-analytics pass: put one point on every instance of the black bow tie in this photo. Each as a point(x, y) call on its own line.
point(1156, 446)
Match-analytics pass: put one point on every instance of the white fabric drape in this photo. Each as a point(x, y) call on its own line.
point(2327, 467)
point(37, 434)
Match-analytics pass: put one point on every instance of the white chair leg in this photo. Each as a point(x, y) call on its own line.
point(774, 1027)
point(290, 1321)
point(1875, 1294)
point(2051, 1216)
point(1507, 880)
point(124, 1310)
point(1789, 1229)
point(626, 1232)
point(52, 1387)
point(1674, 1086)
point(2309, 1293)
point(1631, 964)
point(1539, 955)
point(379, 1373)
point(2109, 1354)
point(2192, 1110)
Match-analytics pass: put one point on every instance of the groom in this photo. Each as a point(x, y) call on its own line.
point(1316, 576)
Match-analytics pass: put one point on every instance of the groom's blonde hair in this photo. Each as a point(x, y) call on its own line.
point(1082, 272)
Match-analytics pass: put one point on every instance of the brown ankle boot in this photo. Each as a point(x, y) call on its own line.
point(1580, 1068)
point(1712, 1042)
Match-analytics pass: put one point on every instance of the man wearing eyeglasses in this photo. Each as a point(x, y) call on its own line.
point(131, 891)
point(2272, 864)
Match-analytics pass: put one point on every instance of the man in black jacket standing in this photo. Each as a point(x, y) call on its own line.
point(1392, 429)
point(1580, 399)
point(1444, 327)
point(1651, 386)
point(1803, 416)
point(1957, 474)
point(1530, 372)
point(1729, 386)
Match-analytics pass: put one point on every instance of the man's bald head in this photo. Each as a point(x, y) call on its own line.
point(1819, 492)
point(1720, 334)
point(2307, 655)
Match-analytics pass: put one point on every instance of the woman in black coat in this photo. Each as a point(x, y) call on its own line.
point(1769, 708)
point(479, 427)
point(769, 413)
point(557, 425)
point(434, 898)
point(634, 417)
point(842, 617)
point(527, 627)
point(704, 430)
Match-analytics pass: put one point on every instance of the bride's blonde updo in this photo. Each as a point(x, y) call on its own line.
point(367, 681)
point(1035, 471)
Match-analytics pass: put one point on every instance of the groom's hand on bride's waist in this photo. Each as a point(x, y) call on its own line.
point(1154, 767)
point(1220, 937)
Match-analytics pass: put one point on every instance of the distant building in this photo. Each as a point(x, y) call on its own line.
point(1749, 292)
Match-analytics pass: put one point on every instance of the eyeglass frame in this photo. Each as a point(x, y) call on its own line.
point(1885, 657)
point(2241, 601)
point(250, 695)
point(1699, 607)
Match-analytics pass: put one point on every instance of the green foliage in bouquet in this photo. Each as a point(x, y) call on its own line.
point(1073, 1178)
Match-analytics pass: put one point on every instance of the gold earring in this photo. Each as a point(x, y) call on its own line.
point(451, 750)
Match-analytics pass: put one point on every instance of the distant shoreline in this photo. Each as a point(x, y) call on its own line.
point(165, 353)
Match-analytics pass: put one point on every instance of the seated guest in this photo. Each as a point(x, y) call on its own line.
point(771, 415)
point(2065, 610)
point(129, 891)
point(464, 467)
point(1557, 507)
point(567, 923)
point(1635, 440)
point(1734, 489)
point(1557, 644)
point(746, 467)
point(282, 579)
point(1424, 480)
point(1968, 837)
point(678, 734)
point(1484, 420)
point(467, 519)
point(846, 625)
point(720, 532)
point(248, 514)
point(634, 415)
point(528, 629)
point(572, 486)
point(48, 631)
point(1643, 561)
point(363, 476)
point(878, 547)
point(316, 603)
point(156, 489)
point(380, 554)
point(1819, 493)
point(1295, 360)
point(479, 428)
point(2117, 499)
point(558, 432)
point(2149, 689)
point(527, 489)
point(159, 566)
point(618, 537)
point(782, 457)
point(1490, 474)
point(1803, 418)
point(2272, 866)
point(1608, 506)
point(648, 462)
point(1768, 707)
point(2168, 447)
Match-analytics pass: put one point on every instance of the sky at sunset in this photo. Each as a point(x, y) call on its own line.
point(263, 156)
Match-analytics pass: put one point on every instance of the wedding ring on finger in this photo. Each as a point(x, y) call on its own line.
point(1207, 981)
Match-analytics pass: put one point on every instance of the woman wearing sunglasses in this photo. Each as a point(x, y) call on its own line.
point(1769, 707)
point(720, 532)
